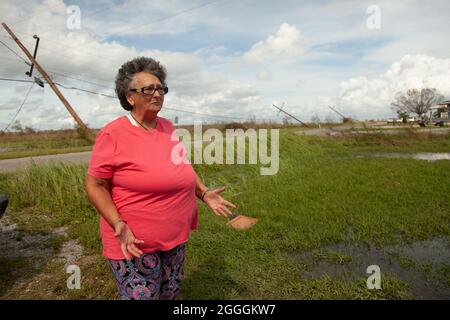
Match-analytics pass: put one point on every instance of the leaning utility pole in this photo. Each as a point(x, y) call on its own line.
point(343, 117)
point(88, 133)
point(290, 115)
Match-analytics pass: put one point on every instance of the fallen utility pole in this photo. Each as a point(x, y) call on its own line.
point(87, 132)
point(343, 117)
point(290, 115)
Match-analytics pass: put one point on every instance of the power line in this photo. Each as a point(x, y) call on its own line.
point(115, 97)
point(6, 61)
point(212, 115)
point(88, 133)
point(136, 27)
point(281, 110)
point(167, 108)
point(61, 85)
point(81, 80)
point(20, 108)
point(16, 80)
point(110, 96)
point(14, 52)
point(84, 90)
point(25, 41)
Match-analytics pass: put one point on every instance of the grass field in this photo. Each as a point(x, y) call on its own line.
point(30, 144)
point(330, 212)
point(17, 145)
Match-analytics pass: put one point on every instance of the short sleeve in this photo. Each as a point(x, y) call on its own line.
point(168, 127)
point(101, 163)
point(171, 127)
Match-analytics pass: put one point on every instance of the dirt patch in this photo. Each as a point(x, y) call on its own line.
point(70, 252)
point(16, 243)
point(25, 255)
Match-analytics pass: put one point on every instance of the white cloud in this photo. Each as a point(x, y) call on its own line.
point(230, 64)
point(264, 75)
point(81, 55)
point(368, 97)
point(234, 101)
point(285, 44)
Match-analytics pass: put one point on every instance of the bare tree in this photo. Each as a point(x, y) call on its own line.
point(17, 126)
point(415, 101)
point(286, 120)
point(315, 119)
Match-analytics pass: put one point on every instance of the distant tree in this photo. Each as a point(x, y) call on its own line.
point(29, 129)
point(286, 120)
point(17, 126)
point(403, 115)
point(415, 101)
point(347, 120)
point(315, 119)
point(82, 132)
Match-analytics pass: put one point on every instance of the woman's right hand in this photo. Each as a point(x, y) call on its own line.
point(127, 241)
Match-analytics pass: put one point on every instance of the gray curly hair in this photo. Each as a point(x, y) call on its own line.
point(128, 69)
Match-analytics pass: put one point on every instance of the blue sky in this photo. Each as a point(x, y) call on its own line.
point(232, 58)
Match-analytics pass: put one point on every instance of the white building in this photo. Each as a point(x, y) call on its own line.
point(441, 110)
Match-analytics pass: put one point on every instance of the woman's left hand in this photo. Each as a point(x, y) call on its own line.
point(216, 203)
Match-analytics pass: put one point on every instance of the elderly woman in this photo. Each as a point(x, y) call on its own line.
point(147, 202)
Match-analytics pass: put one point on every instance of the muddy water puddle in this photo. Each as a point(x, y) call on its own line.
point(423, 265)
point(427, 156)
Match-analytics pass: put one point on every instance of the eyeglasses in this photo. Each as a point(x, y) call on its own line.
point(151, 90)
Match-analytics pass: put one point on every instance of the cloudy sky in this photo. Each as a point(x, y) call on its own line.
point(226, 59)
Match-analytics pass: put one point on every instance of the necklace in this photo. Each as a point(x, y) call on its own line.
point(141, 123)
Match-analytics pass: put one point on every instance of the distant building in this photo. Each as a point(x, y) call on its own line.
point(441, 110)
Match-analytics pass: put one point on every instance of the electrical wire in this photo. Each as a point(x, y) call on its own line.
point(16, 80)
point(80, 79)
point(167, 108)
point(115, 97)
point(20, 108)
point(14, 52)
point(84, 90)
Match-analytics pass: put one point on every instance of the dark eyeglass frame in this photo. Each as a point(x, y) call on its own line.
point(161, 90)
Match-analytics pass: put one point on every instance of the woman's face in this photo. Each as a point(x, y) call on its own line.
point(147, 103)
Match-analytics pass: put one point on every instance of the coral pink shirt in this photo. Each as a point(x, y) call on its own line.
point(154, 195)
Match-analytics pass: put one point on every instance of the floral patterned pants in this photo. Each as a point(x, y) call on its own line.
point(153, 276)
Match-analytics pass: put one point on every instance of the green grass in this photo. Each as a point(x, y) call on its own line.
point(34, 145)
point(41, 152)
point(320, 193)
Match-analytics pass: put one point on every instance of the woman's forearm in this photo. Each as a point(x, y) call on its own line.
point(200, 187)
point(99, 194)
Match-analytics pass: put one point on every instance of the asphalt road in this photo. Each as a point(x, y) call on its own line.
point(83, 157)
point(9, 165)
